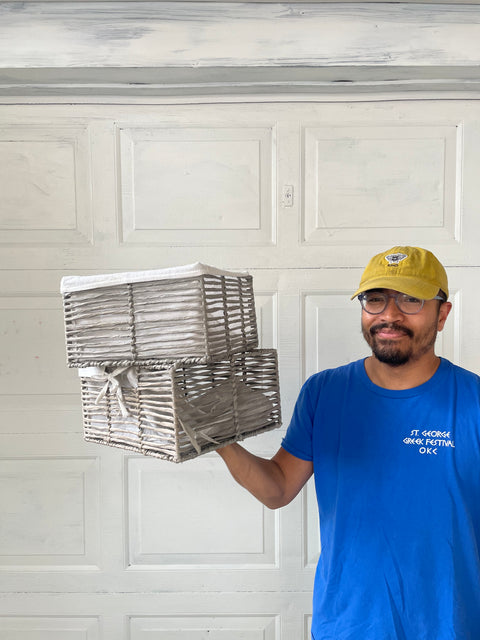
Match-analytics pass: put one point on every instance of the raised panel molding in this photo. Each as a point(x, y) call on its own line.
point(360, 181)
point(326, 315)
point(349, 215)
point(307, 626)
point(266, 307)
point(45, 184)
point(49, 628)
point(38, 392)
point(196, 186)
point(58, 498)
point(176, 516)
point(215, 627)
point(32, 344)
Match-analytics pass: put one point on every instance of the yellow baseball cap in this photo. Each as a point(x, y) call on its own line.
point(410, 270)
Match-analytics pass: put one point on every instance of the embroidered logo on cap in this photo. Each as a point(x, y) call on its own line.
point(394, 258)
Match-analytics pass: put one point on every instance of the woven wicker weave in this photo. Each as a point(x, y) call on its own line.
point(202, 318)
point(183, 410)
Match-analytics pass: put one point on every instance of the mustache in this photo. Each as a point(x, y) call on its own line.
point(391, 325)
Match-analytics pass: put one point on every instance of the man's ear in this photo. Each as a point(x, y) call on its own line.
point(443, 312)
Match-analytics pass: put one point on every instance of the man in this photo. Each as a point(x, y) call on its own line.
point(393, 442)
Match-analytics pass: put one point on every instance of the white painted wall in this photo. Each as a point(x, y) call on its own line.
point(100, 544)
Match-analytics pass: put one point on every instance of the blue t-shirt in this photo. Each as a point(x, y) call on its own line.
point(397, 477)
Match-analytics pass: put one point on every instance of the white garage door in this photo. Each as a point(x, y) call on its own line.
point(96, 543)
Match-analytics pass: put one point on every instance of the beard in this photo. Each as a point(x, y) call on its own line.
point(391, 352)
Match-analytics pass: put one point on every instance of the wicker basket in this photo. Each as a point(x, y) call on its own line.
point(194, 313)
point(183, 410)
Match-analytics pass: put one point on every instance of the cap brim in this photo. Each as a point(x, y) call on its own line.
point(404, 284)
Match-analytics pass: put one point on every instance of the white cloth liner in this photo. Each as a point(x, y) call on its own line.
point(215, 406)
point(70, 284)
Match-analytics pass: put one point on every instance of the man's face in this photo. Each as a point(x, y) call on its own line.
point(396, 338)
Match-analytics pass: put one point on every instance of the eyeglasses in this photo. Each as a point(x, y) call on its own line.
point(375, 302)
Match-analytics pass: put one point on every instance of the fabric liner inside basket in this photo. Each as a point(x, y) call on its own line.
point(205, 413)
point(82, 283)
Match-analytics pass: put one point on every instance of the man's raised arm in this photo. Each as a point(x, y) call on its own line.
point(274, 482)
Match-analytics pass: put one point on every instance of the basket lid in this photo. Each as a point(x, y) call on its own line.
point(82, 283)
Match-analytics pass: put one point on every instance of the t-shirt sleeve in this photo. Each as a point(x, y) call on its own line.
point(298, 439)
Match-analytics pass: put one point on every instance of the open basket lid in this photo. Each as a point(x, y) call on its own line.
point(71, 284)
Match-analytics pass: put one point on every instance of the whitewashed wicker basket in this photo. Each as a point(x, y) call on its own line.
point(195, 313)
point(182, 410)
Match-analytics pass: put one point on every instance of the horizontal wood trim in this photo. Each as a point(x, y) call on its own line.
point(207, 34)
